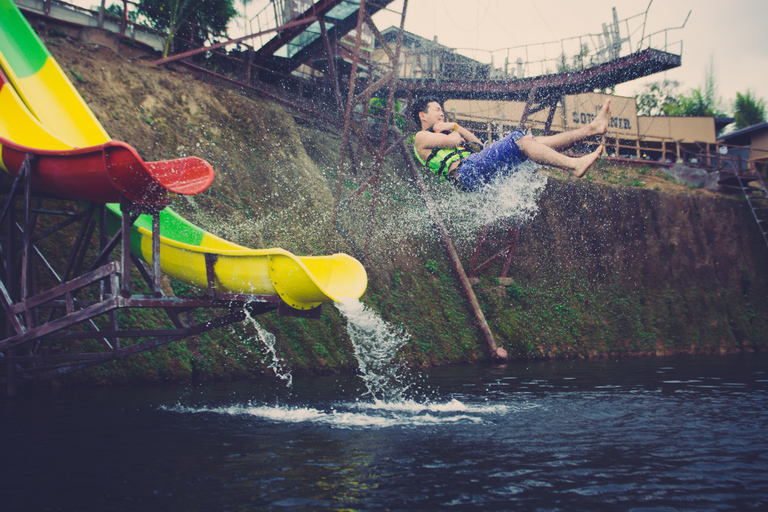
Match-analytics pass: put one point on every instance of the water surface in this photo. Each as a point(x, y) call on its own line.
point(686, 433)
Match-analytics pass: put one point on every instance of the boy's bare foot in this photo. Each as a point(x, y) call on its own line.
point(584, 163)
point(599, 124)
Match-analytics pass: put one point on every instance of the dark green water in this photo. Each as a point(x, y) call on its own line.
point(686, 433)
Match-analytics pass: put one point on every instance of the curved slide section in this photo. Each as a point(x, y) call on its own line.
point(302, 282)
point(42, 114)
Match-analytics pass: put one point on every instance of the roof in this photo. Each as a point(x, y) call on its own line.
point(410, 39)
point(722, 122)
point(744, 131)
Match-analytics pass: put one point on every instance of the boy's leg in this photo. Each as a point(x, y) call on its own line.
point(598, 126)
point(545, 155)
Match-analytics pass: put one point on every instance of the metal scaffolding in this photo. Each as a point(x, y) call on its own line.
point(89, 299)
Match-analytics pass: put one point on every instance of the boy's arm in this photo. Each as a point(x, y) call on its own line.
point(466, 135)
point(430, 140)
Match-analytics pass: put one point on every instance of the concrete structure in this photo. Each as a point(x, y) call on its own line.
point(661, 139)
point(80, 17)
point(752, 143)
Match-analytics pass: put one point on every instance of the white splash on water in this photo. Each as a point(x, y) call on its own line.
point(376, 343)
point(365, 415)
point(514, 198)
point(268, 341)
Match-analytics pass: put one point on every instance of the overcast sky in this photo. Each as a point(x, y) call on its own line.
point(732, 34)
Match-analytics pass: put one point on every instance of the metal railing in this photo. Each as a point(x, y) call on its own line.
point(573, 54)
point(126, 18)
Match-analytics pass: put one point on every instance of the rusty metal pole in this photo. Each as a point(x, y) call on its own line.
point(331, 65)
point(124, 21)
point(496, 352)
point(385, 129)
point(9, 281)
point(514, 236)
point(156, 272)
point(527, 109)
point(347, 117)
point(125, 254)
point(550, 118)
point(26, 253)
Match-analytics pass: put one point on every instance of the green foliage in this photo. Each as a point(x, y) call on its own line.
point(748, 110)
point(655, 97)
point(78, 76)
point(515, 292)
point(116, 10)
point(693, 104)
point(699, 102)
point(170, 15)
point(378, 107)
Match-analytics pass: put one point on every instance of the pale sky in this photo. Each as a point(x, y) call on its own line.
point(733, 34)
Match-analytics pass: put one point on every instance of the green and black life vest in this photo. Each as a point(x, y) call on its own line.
point(440, 159)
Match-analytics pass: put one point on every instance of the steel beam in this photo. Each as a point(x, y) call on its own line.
point(38, 323)
point(623, 69)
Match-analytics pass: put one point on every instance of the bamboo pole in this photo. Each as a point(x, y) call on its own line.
point(496, 352)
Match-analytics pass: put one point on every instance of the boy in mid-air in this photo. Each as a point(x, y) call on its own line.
point(442, 147)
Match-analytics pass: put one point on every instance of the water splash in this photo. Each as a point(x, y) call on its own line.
point(365, 415)
point(268, 340)
point(376, 343)
point(514, 198)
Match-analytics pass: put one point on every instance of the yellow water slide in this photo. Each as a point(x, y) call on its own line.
point(41, 113)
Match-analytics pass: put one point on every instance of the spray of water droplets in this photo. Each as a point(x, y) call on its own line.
point(268, 340)
point(514, 198)
point(376, 343)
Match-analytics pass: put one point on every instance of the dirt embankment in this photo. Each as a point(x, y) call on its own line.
point(624, 263)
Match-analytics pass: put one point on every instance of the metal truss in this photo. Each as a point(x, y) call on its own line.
point(62, 316)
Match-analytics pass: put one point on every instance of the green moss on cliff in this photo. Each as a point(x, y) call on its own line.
point(604, 268)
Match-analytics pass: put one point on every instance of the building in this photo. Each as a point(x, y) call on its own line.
point(630, 136)
point(661, 139)
point(750, 143)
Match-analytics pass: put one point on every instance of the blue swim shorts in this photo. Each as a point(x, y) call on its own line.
point(499, 159)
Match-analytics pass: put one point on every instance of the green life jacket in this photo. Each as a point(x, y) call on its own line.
point(440, 159)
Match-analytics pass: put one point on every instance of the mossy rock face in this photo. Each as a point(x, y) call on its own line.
point(624, 262)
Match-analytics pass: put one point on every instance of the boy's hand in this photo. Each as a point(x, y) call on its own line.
point(445, 127)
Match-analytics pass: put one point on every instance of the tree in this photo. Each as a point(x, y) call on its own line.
point(378, 107)
point(748, 110)
point(656, 96)
point(696, 103)
point(116, 11)
point(701, 101)
point(170, 15)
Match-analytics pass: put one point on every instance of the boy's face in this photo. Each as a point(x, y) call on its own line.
point(433, 115)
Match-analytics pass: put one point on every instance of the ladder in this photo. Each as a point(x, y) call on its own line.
point(752, 186)
point(757, 198)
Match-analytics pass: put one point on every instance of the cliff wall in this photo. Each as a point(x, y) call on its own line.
point(624, 262)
